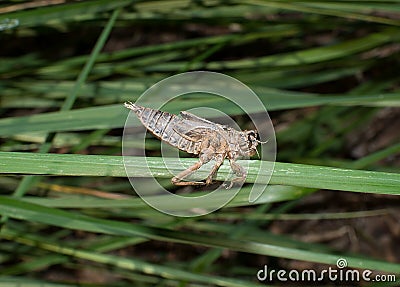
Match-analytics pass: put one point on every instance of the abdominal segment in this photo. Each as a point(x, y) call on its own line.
point(164, 126)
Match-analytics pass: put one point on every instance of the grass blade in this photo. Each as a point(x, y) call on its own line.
point(284, 173)
point(26, 211)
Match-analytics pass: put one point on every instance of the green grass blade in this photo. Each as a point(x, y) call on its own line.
point(114, 116)
point(26, 281)
point(273, 193)
point(284, 173)
point(29, 181)
point(55, 14)
point(69, 101)
point(26, 211)
point(127, 263)
point(301, 58)
point(356, 11)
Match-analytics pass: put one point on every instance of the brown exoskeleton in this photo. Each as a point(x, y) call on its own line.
point(192, 134)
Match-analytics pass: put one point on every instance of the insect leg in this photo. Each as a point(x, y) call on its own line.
point(239, 171)
point(177, 180)
point(219, 160)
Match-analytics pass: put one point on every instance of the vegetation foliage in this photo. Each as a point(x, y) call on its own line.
point(326, 70)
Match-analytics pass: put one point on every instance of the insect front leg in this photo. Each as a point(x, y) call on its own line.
point(177, 180)
point(239, 171)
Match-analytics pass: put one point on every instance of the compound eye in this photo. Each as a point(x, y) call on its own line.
point(251, 136)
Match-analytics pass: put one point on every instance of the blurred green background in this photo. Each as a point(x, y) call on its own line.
point(327, 71)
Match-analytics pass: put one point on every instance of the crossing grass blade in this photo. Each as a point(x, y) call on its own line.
point(114, 116)
point(127, 263)
point(15, 208)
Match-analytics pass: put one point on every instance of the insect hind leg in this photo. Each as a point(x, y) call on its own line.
point(178, 180)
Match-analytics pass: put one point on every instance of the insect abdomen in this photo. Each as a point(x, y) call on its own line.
point(163, 125)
